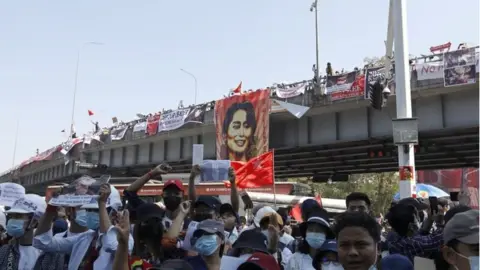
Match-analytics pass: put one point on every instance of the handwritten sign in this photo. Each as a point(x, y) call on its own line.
point(10, 192)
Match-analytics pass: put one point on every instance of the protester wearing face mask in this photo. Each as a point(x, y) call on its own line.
point(271, 225)
point(91, 248)
point(134, 201)
point(358, 236)
point(230, 220)
point(407, 240)
point(19, 253)
point(315, 231)
point(206, 207)
point(208, 240)
point(249, 242)
point(327, 257)
point(461, 239)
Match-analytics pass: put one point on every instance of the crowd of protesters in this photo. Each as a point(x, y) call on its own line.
point(202, 233)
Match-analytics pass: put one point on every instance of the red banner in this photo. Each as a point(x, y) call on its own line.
point(346, 85)
point(152, 124)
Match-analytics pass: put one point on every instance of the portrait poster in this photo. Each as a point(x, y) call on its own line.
point(81, 191)
point(242, 125)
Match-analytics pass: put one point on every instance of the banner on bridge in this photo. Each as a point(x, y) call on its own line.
point(345, 85)
point(459, 67)
point(242, 125)
point(372, 74)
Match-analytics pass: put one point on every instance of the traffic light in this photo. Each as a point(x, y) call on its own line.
point(376, 94)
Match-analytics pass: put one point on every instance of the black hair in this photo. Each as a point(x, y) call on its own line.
point(304, 247)
point(148, 233)
point(358, 219)
point(358, 196)
point(251, 121)
point(400, 217)
point(455, 210)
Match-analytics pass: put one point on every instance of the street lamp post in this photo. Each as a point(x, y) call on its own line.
point(314, 7)
point(76, 81)
point(195, 79)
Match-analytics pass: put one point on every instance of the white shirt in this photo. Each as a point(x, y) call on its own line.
point(78, 244)
point(300, 261)
point(28, 257)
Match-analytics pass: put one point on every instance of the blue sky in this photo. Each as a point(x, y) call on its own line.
point(147, 42)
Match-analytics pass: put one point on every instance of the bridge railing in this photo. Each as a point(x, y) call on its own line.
point(313, 96)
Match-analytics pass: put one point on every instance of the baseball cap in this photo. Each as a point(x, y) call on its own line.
point(252, 239)
point(277, 217)
point(462, 227)
point(415, 203)
point(209, 226)
point(396, 262)
point(228, 208)
point(260, 261)
point(261, 213)
point(175, 264)
point(320, 218)
point(148, 210)
point(329, 245)
point(29, 204)
point(257, 207)
point(114, 201)
point(174, 183)
point(210, 201)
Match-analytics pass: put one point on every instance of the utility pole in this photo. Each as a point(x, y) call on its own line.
point(405, 128)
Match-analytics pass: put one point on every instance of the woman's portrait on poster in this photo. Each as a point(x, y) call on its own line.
point(238, 132)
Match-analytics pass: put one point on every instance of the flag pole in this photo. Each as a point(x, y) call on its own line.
point(15, 144)
point(274, 184)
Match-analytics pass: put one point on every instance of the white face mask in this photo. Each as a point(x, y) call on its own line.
point(331, 266)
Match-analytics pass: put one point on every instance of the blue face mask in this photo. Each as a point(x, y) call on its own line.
point(93, 220)
point(206, 245)
point(15, 227)
point(315, 240)
point(81, 218)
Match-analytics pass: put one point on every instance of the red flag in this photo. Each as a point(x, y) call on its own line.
point(257, 172)
point(238, 90)
point(90, 113)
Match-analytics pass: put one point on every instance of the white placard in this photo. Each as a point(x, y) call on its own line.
point(215, 170)
point(197, 154)
point(10, 192)
point(188, 235)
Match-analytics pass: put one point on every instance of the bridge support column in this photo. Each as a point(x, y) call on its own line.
point(406, 155)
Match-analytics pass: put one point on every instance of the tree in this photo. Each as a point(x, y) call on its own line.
point(374, 61)
point(380, 188)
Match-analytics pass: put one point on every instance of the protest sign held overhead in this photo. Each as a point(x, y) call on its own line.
point(242, 124)
point(215, 170)
point(81, 191)
point(10, 192)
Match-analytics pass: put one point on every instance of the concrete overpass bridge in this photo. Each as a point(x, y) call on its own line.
point(335, 137)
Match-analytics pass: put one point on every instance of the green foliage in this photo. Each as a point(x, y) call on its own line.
point(380, 188)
